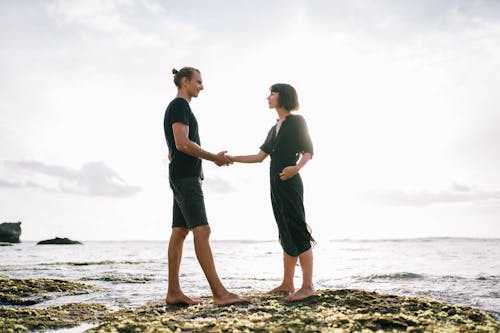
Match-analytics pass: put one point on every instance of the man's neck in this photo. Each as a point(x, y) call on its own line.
point(184, 95)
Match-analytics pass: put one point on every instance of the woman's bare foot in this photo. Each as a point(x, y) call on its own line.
point(300, 294)
point(230, 298)
point(179, 299)
point(282, 289)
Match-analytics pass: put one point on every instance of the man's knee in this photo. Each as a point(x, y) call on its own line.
point(179, 233)
point(202, 231)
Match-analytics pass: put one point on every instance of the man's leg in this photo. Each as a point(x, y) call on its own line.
point(287, 285)
point(307, 289)
point(174, 293)
point(204, 254)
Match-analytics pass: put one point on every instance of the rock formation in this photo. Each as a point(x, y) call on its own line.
point(10, 232)
point(57, 240)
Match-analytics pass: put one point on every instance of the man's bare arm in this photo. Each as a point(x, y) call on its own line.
point(185, 145)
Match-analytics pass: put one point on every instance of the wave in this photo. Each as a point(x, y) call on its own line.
point(252, 278)
point(447, 278)
point(89, 263)
point(415, 239)
point(413, 276)
point(488, 278)
point(118, 278)
point(359, 249)
point(393, 276)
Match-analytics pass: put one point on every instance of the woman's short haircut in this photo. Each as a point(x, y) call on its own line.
point(186, 72)
point(287, 98)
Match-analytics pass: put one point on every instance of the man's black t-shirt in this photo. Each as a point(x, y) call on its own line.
point(182, 165)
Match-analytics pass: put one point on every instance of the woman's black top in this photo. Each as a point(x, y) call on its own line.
point(292, 140)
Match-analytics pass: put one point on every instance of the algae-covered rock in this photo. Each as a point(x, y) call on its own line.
point(59, 241)
point(67, 315)
point(5, 244)
point(328, 311)
point(32, 291)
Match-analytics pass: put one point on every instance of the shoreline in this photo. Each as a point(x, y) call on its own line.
point(340, 310)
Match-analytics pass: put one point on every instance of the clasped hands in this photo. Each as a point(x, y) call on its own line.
point(223, 159)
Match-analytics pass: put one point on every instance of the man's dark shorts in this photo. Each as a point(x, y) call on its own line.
point(189, 203)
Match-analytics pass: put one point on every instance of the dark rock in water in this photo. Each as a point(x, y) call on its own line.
point(5, 244)
point(57, 240)
point(10, 232)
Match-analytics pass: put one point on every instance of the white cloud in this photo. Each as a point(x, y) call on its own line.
point(96, 14)
point(6, 183)
point(131, 23)
point(458, 193)
point(218, 185)
point(93, 179)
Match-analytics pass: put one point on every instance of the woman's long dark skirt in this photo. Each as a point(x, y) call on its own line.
point(287, 199)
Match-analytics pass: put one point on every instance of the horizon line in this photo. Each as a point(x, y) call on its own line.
point(275, 240)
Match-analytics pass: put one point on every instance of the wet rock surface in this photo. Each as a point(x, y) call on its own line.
point(345, 310)
point(328, 311)
point(17, 294)
point(33, 291)
point(55, 317)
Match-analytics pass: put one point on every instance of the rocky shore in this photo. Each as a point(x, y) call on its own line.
point(16, 295)
point(345, 310)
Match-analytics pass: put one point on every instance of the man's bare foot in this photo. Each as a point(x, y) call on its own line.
point(282, 289)
point(300, 294)
point(230, 298)
point(180, 299)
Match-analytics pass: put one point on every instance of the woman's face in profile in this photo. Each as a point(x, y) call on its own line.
point(272, 99)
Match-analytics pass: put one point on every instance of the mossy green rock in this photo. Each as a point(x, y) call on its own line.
point(328, 311)
point(336, 311)
point(67, 315)
point(32, 291)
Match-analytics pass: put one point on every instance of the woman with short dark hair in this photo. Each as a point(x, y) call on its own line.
point(290, 147)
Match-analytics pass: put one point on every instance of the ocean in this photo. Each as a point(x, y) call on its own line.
point(456, 270)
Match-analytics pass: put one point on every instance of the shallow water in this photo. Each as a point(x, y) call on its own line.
point(461, 271)
point(76, 329)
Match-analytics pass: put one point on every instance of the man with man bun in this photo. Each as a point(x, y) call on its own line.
point(185, 176)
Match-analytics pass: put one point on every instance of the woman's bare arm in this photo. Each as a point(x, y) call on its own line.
point(256, 158)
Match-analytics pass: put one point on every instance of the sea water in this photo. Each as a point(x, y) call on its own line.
point(456, 270)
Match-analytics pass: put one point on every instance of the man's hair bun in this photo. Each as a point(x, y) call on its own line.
point(186, 72)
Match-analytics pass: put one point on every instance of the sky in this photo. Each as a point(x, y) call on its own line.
point(400, 97)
